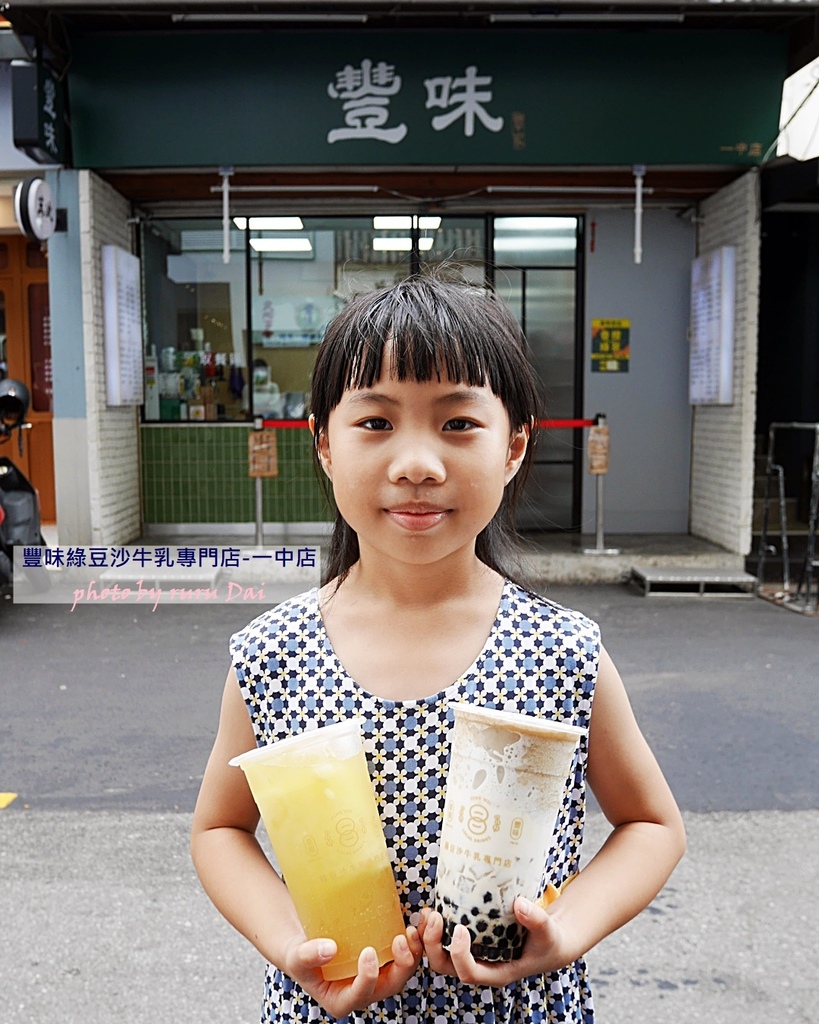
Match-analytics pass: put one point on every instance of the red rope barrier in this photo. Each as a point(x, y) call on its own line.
point(564, 424)
point(545, 424)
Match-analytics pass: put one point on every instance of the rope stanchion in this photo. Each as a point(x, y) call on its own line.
point(598, 466)
point(598, 460)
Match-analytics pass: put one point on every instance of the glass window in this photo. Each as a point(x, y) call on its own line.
point(302, 271)
point(195, 334)
point(536, 241)
point(232, 341)
point(458, 241)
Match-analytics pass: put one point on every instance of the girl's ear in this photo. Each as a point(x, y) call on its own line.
point(517, 450)
point(322, 447)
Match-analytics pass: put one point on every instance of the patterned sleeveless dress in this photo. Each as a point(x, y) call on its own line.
point(539, 659)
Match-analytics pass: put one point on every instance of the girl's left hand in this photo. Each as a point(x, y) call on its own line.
point(370, 985)
point(541, 952)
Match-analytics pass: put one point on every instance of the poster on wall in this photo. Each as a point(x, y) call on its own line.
point(610, 346)
point(123, 327)
point(711, 364)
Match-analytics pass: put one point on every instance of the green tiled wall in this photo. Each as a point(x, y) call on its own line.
point(198, 474)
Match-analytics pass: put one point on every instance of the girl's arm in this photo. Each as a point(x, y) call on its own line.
point(645, 844)
point(248, 892)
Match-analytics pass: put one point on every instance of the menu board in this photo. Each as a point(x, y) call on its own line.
point(124, 381)
point(711, 366)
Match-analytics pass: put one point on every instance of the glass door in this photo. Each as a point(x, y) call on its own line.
point(536, 274)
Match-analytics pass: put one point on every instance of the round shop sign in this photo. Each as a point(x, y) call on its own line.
point(34, 209)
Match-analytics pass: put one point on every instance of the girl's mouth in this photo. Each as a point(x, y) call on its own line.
point(417, 519)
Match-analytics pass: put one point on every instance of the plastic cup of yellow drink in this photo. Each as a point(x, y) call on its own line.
point(507, 776)
point(317, 803)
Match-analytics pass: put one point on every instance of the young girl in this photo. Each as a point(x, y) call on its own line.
point(423, 411)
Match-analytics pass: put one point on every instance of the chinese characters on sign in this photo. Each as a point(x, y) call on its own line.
point(49, 115)
point(159, 574)
point(466, 100)
point(122, 322)
point(610, 348)
point(711, 361)
point(366, 91)
point(751, 149)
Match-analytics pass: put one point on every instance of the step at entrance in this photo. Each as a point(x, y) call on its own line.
point(699, 581)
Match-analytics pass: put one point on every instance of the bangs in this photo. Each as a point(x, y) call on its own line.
point(421, 352)
point(425, 333)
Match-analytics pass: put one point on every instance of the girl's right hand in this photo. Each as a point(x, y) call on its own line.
point(303, 962)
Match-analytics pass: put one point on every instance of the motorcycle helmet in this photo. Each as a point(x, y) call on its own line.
point(14, 403)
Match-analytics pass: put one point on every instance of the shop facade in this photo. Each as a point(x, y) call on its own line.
point(25, 321)
point(263, 178)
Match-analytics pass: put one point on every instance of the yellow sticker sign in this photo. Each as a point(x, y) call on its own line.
point(6, 799)
point(610, 346)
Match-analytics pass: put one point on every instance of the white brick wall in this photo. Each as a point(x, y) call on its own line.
point(722, 463)
point(113, 432)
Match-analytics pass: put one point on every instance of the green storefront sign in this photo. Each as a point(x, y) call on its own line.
point(432, 99)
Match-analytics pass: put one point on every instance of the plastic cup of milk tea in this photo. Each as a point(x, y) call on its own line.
point(507, 777)
point(317, 803)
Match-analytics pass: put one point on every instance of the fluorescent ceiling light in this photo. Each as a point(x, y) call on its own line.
point(392, 244)
point(534, 244)
point(269, 223)
point(535, 223)
point(404, 223)
point(400, 244)
point(281, 244)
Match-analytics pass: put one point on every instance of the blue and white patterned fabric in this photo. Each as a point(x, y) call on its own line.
point(540, 659)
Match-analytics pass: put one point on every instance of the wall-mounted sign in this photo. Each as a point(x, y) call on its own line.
point(439, 98)
point(38, 112)
point(610, 346)
point(123, 327)
point(34, 209)
point(711, 366)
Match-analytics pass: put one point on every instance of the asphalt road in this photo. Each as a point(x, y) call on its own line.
point(107, 717)
point(115, 707)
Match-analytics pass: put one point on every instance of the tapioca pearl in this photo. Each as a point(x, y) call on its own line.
point(481, 926)
point(494, 913)
point(512, 931)
point(488, 897)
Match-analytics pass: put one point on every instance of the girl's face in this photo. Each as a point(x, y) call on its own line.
point(418, 468)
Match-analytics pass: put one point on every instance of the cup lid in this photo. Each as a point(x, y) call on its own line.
point(305, 741)
point(524, 723)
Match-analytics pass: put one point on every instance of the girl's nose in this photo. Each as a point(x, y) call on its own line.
point(417, 461)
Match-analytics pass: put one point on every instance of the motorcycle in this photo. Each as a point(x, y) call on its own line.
point(19, 501)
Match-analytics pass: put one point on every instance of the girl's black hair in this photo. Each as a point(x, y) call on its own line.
point(436, 329)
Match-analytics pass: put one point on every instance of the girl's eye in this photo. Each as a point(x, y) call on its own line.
point(458, 425)
point(376, 423)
